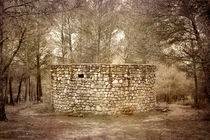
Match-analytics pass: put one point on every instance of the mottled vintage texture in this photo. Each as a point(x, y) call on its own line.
point(103, 88)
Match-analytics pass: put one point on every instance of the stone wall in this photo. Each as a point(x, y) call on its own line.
point(103, 88)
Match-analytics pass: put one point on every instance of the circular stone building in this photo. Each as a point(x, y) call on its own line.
point(103, 88)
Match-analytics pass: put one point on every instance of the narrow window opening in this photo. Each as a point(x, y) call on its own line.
point(81, 75)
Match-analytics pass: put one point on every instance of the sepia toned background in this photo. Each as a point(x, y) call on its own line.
point(172, 35)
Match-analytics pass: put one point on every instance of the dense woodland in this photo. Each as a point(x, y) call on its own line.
point(174, 35)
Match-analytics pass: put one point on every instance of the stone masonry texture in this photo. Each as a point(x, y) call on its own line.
point(103, 88)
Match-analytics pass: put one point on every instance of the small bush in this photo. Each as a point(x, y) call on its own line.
point(172, 85)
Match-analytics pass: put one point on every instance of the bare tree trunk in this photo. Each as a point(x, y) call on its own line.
point(70, 47)
point(206, 81)
point(196, 95)
point(99, 31)
point(10, 91)
point(2, 103)
point(33, 94)
point(63, 44)
point(98, 45)
point(203, 52)
point(108, 51)
point(6, 89)
point(19, 90)
point(26, 89)
point(3, 116)
point(70, 40)
point(29, 89)
point(39, 82)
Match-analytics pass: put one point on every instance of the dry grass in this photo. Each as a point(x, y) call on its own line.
point(32, 122)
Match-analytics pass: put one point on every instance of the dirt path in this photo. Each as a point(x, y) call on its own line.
point(34, 122)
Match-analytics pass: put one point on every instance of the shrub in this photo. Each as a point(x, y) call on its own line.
point(172, 85)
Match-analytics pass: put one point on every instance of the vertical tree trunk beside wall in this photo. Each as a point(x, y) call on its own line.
point(99, 35)
point(98, 45)
point(2, 104)
point(196, 95)
point(63, 49)
point(39, 82)
point(19, 90)
point(108, 49)
point(206, 72)
point(29, 89)
point(33, 94)
point(70, 41)
point(10, 91)
point(204, 58)
point(6, 89)
point(26, 89)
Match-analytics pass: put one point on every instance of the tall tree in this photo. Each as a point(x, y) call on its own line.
point(5, 9)
point(182, 35)
point(13, 14)
point(140, 43)
point(92, 27)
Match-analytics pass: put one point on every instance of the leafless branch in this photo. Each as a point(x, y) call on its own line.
point(3, 40)
point(15, 52)
point(19, 5)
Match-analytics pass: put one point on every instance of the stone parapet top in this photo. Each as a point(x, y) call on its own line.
point(126, 64)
